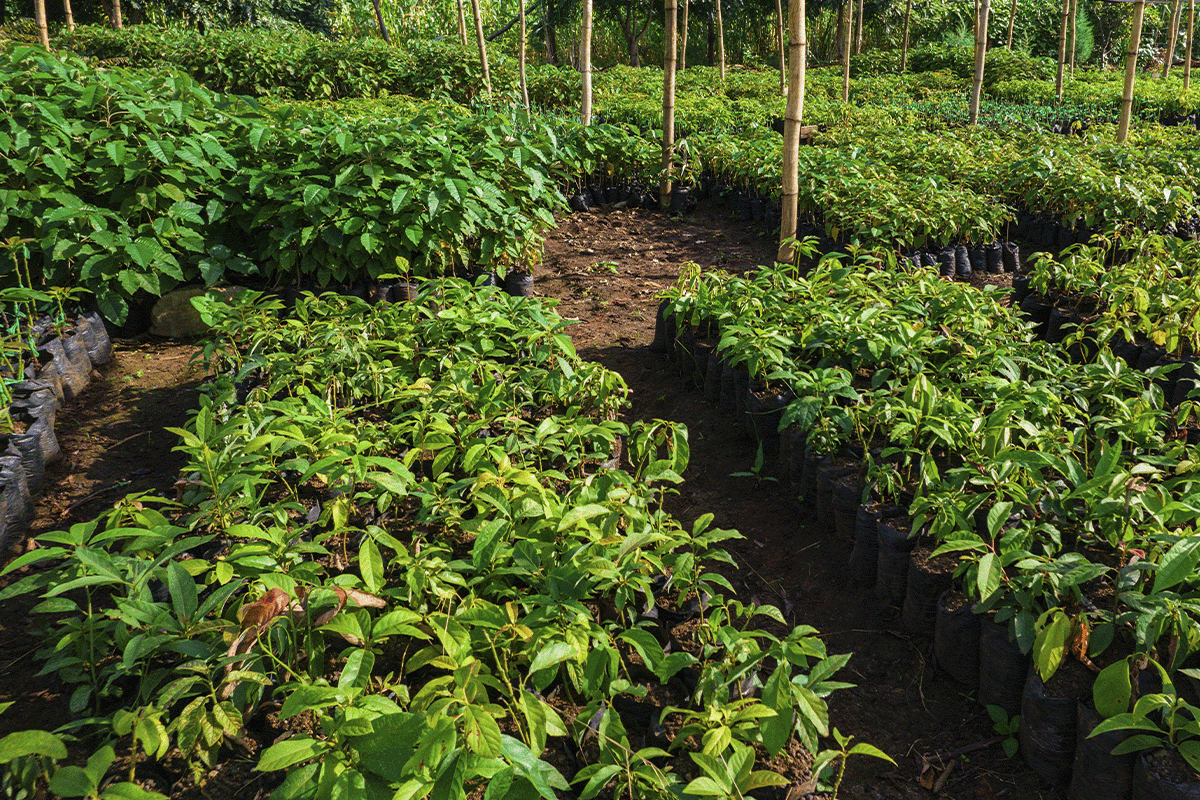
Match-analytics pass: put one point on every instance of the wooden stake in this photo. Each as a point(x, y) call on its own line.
point(462, 24)
point(904, 47)
point(585, 62)
point(798, 54)
point(1131, 55)
point(671, 11)
point(1012, 19)
point(981, 27)
point(481, 41)
point(69, 15)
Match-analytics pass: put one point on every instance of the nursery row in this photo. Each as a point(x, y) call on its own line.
point(129, 183)
point(1051, 499)
point(422, 546)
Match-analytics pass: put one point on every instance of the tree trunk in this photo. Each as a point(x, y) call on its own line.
point(548, 35)
point(115, 15)
point(1135, 41)
point(39, 14)
point(462, 24)
point(1074, 14)
point(1062, 50)
point(846, 44)
point(585, 62)
point(720, 41)
point(981, 27)
point(858, 29)
point(671, 9)
point(481, 41)
point(683, 36)
point(379, 18)
point(798, 53)
point(521, 56)
point(67, 12)
point(1187, 51)
point(904, 47)
point(1172, 37)
point(783, 43)
point(1012, 19)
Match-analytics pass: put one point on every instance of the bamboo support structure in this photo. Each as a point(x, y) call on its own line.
point(1187, 51)
point(585, 62)
point(798, 54)
point(1172, 37)
point(904, 47)
point(39, 16)
point(981, 28)
point(848, 24)
point(720, 41)
point(1074, 14)
point(462, 24)
point(522, 56)
point(683, 36)
point(1131, 55)
point(1062, 51)
point(67, 12)
point(783, 44)
point(671, 11)
point(1012, 20)
point(481, 41)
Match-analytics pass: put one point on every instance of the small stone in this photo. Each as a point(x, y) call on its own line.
point(174, 316)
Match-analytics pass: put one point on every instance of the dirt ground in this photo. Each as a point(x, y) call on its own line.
point(607, 269)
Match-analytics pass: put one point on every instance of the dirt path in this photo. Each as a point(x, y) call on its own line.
point(607, 269)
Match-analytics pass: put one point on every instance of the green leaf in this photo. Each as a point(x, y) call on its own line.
point(1050, 645)
point(481, 731)
point(1112, 690)
point(862, 748)
point(551, 654)
point(580, 513)
point(777, 695)
point(289, 752)
point(370, 564)
point(31, 742)
point(1178, 563)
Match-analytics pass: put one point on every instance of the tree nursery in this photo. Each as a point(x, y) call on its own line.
point(619, 399)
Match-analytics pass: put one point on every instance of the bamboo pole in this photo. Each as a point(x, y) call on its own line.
point(585, 62)
point(481, 41)
point(521, 55)
point(671, 12)
point(783, 73)
point(1062, 51)
point(1135, 41)
point(115, 15)
point(39, 15)
point(846, 43)
point(858, 29)
point(904, 47)
point(1074, 13)
point(1172, 37)
point(798, 54)
point(1187, 51)
point(683, 37)
point(379, 18)
point(720, 41)
point(67, 11)
point(1012, 19)
point(981, 28)
point(462, 24)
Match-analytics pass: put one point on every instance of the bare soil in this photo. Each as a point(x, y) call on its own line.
point(607, 269)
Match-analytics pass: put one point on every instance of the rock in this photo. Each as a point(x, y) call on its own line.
point(174, 316)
